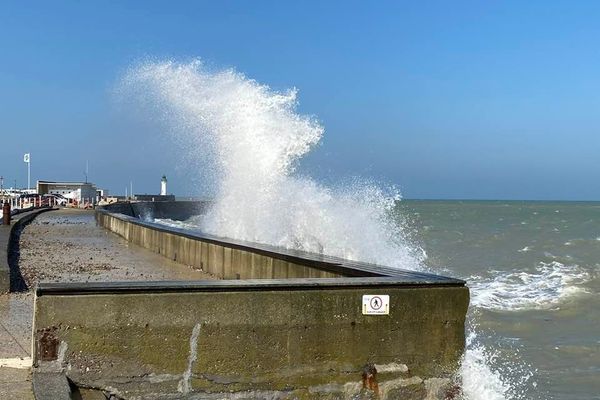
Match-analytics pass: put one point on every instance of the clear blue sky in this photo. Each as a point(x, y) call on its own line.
point(445, 99)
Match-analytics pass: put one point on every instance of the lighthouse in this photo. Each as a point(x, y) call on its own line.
point(163, 186)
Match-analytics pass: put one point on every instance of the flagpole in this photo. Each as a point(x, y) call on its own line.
point(27, 159)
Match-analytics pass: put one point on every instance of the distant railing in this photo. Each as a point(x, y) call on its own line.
point(25, 203)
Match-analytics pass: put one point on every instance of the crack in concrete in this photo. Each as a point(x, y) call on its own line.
point(184, 385)
point(15, 340)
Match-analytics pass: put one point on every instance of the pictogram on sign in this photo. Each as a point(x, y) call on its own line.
point(376, 304)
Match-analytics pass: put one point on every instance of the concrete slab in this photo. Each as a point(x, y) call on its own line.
point(16, 312)
point(16, 362)
point(15, 384)
point(51, 386)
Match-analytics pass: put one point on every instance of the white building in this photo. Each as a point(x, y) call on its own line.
point(78, 192)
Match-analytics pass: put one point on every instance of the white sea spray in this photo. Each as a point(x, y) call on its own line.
point(254, 137)
point(246, 139)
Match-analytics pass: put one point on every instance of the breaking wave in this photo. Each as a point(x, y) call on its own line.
point(544, 288)
point(508, 379)
point(248, 139)
point(254, 137)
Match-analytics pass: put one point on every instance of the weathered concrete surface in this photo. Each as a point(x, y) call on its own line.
point(15, 384)
point(16, 311)
point(65, 246)
point(68, 246)
point(299, 343)
point(51, 386)
point(291, 337)
point(227, 258)
point(224, 262)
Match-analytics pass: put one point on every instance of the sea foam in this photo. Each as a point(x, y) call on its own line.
point(545, 287)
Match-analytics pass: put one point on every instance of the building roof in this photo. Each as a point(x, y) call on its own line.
point(65, 183)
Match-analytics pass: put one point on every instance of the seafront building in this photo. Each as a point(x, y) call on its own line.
point(77, 192)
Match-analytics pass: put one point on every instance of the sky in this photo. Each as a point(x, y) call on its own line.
point(445, 100)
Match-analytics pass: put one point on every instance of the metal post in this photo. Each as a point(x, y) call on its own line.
point(6, 213)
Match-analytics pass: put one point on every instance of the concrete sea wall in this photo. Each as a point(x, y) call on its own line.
point(280, 325)
point(294, 340)
point(10, 276)
point(225, 260)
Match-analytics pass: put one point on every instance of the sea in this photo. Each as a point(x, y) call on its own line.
point(533, 270)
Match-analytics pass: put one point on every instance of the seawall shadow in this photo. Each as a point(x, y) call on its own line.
point(17, 282)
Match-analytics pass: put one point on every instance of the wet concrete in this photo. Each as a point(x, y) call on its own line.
point(67, 246)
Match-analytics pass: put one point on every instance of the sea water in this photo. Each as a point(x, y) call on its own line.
point(532, 268)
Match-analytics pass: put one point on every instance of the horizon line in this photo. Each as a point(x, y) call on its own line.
point(514, 200)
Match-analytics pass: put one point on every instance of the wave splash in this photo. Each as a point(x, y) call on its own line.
point(507, 379)
point(254, 137)
point(250, 138)
point(545, 288)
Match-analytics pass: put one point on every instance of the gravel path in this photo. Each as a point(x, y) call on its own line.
point(67, 246)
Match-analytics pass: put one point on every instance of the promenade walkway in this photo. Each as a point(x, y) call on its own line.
point(16, 310)
point(66, 246)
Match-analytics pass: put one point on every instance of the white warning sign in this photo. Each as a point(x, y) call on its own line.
point(376, 304)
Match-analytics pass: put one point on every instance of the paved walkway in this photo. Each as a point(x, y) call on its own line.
point(67, 246)
point(16, 310)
